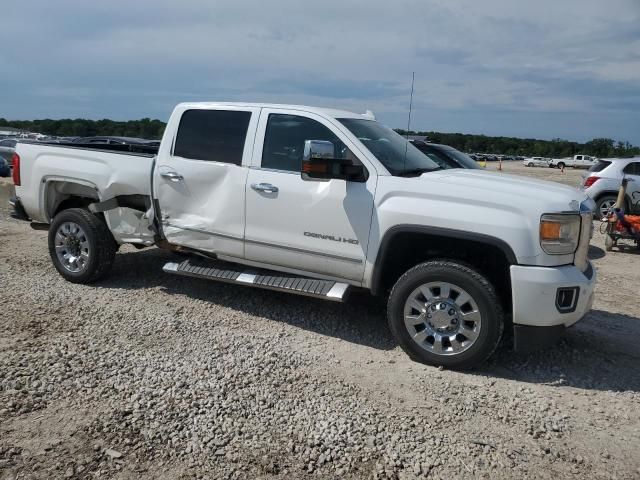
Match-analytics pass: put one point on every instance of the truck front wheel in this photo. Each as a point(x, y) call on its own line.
point(81, 246)
point(445, 313)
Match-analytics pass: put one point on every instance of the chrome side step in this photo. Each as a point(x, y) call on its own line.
point(279, 281)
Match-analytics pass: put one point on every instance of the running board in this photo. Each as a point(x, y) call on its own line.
point(270, 280)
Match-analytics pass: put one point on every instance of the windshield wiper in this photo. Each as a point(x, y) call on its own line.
point(414, 172)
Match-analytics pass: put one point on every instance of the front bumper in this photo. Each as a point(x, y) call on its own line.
point(18, 210)
point(537, 317)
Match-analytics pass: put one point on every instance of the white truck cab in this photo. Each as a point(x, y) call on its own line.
point(318, 202)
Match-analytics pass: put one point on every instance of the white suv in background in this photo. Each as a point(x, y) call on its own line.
point(536, 162)
point(603, 180)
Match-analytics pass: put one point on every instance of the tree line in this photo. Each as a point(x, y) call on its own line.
point(80, 127)
point(153, 130)
point(558, 148)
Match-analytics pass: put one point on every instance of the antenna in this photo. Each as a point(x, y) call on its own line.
point(406, 146)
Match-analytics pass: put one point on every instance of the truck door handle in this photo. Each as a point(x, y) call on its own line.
point(173, 176)
point(264, 187)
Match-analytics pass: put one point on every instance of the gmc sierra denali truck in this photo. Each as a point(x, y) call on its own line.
point(319, 202)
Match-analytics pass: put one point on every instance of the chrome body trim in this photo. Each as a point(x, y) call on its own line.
point(246, 278)
point(302, 250)
point(206, 232)
point(338, 290)
point(267, 244)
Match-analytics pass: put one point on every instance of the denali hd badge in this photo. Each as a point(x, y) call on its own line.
point(352, 241)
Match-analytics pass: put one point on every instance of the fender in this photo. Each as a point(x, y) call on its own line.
point(633, 199)
point(46, 184)
point(383, 249)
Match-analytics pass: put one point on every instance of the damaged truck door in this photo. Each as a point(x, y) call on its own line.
point(200, 176)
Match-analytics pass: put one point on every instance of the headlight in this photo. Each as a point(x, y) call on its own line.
point(559, 234)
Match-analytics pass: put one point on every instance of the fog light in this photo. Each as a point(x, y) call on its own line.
point(567, 299)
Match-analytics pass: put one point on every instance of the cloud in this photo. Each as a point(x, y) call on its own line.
point(545, 68)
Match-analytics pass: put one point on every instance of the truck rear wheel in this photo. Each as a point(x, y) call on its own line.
point(444, 313)
point(81, 246)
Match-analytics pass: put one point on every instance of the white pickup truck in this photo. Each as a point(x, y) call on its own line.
point(577, 161)
point(319, 202)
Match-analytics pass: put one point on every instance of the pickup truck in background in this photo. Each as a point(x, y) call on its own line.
point(577, 161)
point(319, 202)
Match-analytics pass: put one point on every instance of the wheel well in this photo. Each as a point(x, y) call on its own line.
point(73, 202)
point(612, 193)
point(407, 249)
point(605, 193)
point(61, 196)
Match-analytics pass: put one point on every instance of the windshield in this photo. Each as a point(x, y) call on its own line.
point(398, 155)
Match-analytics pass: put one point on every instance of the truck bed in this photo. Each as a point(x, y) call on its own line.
point(138, 150)
point(143, 149)
point(46, 167)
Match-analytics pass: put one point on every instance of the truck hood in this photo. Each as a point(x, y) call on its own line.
point(514, 189)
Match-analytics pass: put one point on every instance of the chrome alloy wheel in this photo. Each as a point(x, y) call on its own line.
point(442, 318)
point(606, 206)
point(72, 247)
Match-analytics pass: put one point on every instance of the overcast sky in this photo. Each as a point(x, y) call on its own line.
point(545, 69)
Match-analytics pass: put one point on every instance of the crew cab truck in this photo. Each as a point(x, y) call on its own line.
point(319, 202)
point(577, 161)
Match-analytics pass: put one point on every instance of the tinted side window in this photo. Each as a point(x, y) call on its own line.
point(284, 141)
point(632, 169)
point(213, 135)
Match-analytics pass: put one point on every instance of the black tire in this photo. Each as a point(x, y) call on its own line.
point(102, 245)
point(482, 293)
point(530, 164)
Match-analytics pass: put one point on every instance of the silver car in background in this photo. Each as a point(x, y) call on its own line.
point(603, 180)
point(536, 162)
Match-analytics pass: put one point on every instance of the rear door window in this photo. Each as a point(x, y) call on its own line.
point(212, 135)
point(599, 166)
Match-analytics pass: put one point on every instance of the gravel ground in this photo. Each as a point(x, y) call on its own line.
point(150, 375)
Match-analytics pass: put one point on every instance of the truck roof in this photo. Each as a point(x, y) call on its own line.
point(330, 112)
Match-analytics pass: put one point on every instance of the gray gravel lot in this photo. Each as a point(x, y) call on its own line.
point(149, 375)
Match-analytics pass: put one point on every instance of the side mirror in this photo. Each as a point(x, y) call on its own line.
point(319, 163)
